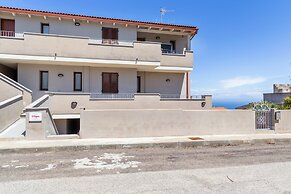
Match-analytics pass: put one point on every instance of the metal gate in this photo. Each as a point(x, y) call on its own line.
point(263, 117)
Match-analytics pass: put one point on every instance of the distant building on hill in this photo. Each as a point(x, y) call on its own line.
point(280, 91)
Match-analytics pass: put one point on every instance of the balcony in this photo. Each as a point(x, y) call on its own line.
point(7, 33)
point(60, 49)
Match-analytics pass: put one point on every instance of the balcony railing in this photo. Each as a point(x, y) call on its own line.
point(7, 33)
point(131, 96)
point(112, 96)
point(109, 41)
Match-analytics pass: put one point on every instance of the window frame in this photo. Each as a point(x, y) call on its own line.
point(81, 84)
point(41, 27)
point(108, 37)
point(138, 89)
point(41, 81)
point(7, 32)
point(111, 91)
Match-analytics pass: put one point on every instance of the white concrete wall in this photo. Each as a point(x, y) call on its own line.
point(61, 103)
point(61, 126)
point(284, 124)
point(10, 112)
point(151, 123)
point(7, 91)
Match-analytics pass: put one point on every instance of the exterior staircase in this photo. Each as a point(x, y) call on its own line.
point(14, 97)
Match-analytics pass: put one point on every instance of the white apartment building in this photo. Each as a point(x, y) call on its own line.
point(54, 66)
point(59, 52)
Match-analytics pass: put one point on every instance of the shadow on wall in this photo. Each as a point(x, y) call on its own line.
point(68, 126)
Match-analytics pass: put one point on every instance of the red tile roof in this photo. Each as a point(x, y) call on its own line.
point(193, 29)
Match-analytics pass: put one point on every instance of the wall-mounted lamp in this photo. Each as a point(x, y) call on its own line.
point(158, 38)
point(277, 116)
point(77, 24)
point(74, 105)
point(203, 104)
point(168, 80)
point(60, 75)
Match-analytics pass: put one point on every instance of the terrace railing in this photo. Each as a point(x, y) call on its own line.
point(7, 33)
point(131, 96)
point(109, 41)
point(112, 96)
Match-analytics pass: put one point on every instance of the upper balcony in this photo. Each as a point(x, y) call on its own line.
point(76, 50)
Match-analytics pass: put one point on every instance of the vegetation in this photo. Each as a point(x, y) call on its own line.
point(267, 104)
point(287, 103)
point(285, 106)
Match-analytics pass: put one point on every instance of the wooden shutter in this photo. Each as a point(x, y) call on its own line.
point(109, 82)
point(114, 34)
point(105, 83)
point(110, 35)
point(7, 27)
point(105, 33)
point(114, 83)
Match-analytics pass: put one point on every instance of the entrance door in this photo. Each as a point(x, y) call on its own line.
point(7, 27)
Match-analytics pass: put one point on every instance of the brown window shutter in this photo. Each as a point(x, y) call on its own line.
point(105, 83)
point(114, 83)
point(105, 33)
point(109, 82)
point(114, 34)
point(8, 25)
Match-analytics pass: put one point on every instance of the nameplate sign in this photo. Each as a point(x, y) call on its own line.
point(35, 117)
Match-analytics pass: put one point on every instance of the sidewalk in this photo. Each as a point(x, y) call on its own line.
point(144, 142)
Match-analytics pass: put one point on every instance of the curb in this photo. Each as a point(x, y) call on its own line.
point(179, 144)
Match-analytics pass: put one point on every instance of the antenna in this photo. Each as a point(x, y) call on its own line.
point(163, 12)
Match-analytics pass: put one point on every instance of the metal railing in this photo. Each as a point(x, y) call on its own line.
point(179, 96)
point(172, 96)
point(7, 33)
point(112, 96)
point(109, 41)
point(131, 96)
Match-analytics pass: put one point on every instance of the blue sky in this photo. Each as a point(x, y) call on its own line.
point(242, 48)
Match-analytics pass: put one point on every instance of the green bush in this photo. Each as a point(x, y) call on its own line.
point(287, 103)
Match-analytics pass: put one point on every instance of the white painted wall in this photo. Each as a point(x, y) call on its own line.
point(67, 27)
point(29, 76)
point(155, 82)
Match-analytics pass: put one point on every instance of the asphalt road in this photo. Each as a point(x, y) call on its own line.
point(264, 168)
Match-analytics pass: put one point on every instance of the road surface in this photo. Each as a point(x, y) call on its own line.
point(263, 168)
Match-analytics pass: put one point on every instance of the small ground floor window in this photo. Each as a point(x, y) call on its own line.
point(44, 80)
point(77, 81)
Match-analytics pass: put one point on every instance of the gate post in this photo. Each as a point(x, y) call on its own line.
point(273, 119)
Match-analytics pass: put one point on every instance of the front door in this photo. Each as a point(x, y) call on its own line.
point(7, 27)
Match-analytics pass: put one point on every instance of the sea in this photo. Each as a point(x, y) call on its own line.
point(229, 104)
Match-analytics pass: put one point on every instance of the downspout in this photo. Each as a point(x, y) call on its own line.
point(187, 85)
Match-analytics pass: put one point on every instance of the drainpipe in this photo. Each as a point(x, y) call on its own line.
point(187, 85)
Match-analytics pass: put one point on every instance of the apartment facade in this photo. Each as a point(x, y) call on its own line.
point(280, 92)
point(58, 52)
